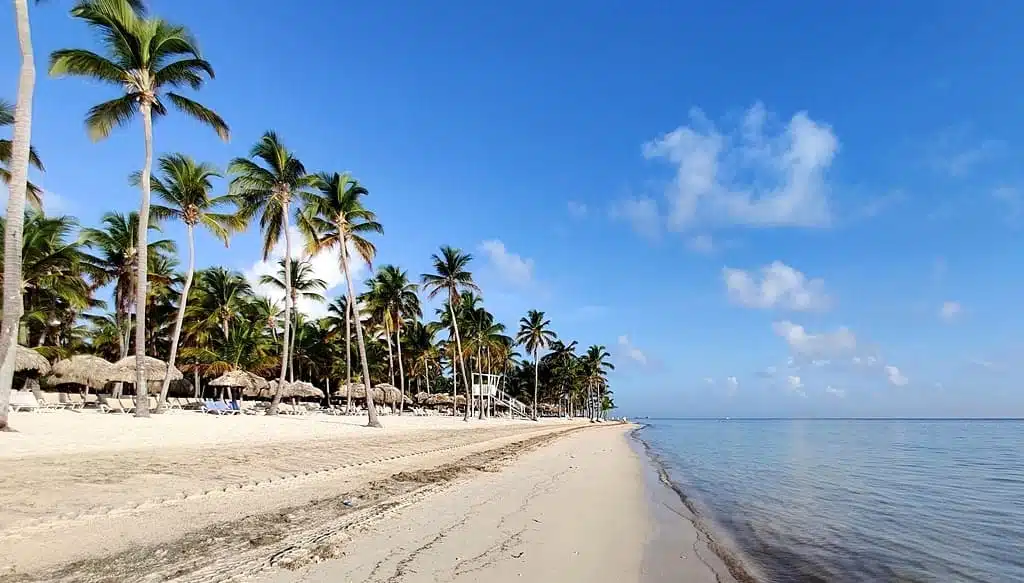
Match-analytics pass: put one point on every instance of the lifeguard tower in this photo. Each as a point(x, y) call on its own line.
point(496, 400)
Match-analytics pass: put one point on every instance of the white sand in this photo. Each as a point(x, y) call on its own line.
point(67, 432)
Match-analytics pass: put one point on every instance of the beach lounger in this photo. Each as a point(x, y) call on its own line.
point(111, 405)
point(23, 401)
point(73, 401)
point(50, 401)
point(91, 400)
point(127, 405)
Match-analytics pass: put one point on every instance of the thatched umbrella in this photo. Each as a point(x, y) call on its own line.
point(154, 369)
point(392, 394)
point(301, 389)
point(359, 392)
point(26, 359)
point(240, 379)
point(81, 369)
point(422, 397)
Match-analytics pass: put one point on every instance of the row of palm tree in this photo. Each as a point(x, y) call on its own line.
point(52, 276)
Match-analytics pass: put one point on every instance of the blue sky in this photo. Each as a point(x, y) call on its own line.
point(791, 209)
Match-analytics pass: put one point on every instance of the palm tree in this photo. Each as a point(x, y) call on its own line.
point(303, 284)
point(337, 219)
point(335, 310)
point(145, 57)
point(115, 260)
point(535, 333)
point(185, 187)
point(597, 368)
point(450, 276)
point(392, 288)
point(265, 184)
point(33, 194)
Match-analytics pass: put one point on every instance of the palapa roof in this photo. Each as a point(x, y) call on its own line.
point(153, 368)
point(81, 369)
point(242, 379)
point(390, 393)
point(26, 359)
point(301, 389)
point(359, 392)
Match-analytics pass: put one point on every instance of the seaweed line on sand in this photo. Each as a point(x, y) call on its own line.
point(732, 561)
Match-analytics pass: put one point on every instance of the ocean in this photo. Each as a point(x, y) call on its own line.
point(836, 501)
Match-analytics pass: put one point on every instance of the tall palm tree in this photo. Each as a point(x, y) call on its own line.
point(597, 367)
point(265, 184)
point(337, 219)
point(184, 187)
point(335, 310)
point(145, 57)
point(535, 333)
point(33, 194)
point(451, 276)
point(393, 289)
point(115, 260)
point(304, 284)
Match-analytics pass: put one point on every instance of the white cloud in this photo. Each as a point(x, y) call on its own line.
point(896, 378)
point(834, 391)
point(795, 385)
point(641, 214)
point(702, 244)
point(750, 175)
point(326, 266)
point(816, 346)
point(577, 209)
point(768, 372)
point(511, 267)
point(955, 152)
point(732, 384)
point(779, 286)
point(949, 311)
point(634, 353)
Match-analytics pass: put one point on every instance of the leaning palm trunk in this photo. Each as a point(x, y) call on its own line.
point(12, 303)
point(536, 383)
point(401, 367)
point(371, 411)
point(142, 256)
point(272, 410)
point(426, 372)
point(295, 330)
point(181, 317)
point(348, 356)
point(391, 358)
point(461, 357)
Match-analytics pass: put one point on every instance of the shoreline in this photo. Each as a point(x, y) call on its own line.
point(670, 504)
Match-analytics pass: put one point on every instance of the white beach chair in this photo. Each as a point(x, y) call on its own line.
point(23, 401)
point(50, 401)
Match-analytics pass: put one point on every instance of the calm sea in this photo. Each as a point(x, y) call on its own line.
point(857, 500)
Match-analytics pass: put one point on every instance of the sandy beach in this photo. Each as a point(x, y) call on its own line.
point(188, 497)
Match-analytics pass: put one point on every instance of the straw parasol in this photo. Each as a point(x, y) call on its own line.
point(26, 359)
point(422, 397)
point(81, 369)
point(154, 369)
point(244, 380)
point(301, 389)
point(359, 392)
point(392, 395)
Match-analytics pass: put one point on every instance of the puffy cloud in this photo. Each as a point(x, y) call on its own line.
point(816, 346)
point(895, 377)
point(776, 286)
point(511, 267)
point(641, 214)
point(632, 352)
point(751, 175)
point(732, 384)
point(795, 385)
point(949, 311)
point(326, 266)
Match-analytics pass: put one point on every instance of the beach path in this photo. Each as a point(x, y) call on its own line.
point(574, 510)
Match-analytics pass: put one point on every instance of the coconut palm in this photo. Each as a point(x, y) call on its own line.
point(596, 368)
point(145, 58)
point(184, 186)
point(341, 309)
point(219, 300)
point(392, 289)
point(114, 261)
point(303, 285)
point(33, 194)
point(535, 333)
point(265, 184)
point(450, 276)
point(337, 219)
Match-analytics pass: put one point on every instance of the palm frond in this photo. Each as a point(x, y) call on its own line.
point(201, 113)
point(104, 117)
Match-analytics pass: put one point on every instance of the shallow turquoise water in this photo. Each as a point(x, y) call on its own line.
point(857, 500)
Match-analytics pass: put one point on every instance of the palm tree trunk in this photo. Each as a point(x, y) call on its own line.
point(461, 357)
point(295, 333)
point(371, 411)
point(181, 317)
point(480, 369)
point(142, 267)
point(536, 383)
point(391, 360)
point(12, 303)
point(272, 410)
point(348, 355)
point(426, 372)
point(401, 367)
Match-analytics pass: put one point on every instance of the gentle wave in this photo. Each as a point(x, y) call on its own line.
point(857, 500)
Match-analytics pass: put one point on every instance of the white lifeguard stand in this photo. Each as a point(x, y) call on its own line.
point(489, 385)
